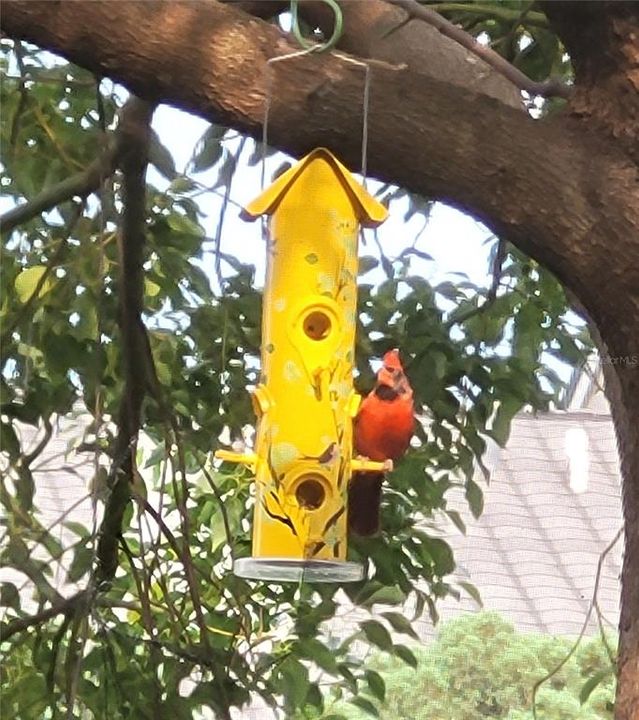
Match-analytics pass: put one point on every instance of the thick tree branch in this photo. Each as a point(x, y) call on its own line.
point(564, 190)
point(448, 142)
point(602, 39)
point(264, 9)
point(382, 31)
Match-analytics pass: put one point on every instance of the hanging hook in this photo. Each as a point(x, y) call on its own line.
point(337, 29)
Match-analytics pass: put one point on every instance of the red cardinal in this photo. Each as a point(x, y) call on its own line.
point(383, 429)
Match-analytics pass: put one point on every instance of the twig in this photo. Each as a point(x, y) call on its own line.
point(142, 586)
point(175, 546)
point(498, 262)
point(7, 630)
point(33, 77)
point(534, 19)
point(76, 646)
point(187, 559)
point(225, 202)
point(37, 450)
point(24, 95)
point(602, 634)
point(81, 184)
point(47, 530)
point(462, 317)
point(547, 88)
point(194, 657)
point(575, 645)
point(220, 501)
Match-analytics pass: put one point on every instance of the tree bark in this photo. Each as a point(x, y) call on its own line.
point(622, 388)
point(602, 39)
point(565, 190)
point(492, 161)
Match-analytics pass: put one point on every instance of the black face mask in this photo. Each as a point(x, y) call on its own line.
point(385, 392)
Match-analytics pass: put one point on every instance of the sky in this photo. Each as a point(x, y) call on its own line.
point(456, 242)
point(459, 245)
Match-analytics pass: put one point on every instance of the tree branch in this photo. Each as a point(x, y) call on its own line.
point(467, 163)
point(134, 131)
point(81, 184)
point(533, 19)
point(548, 88)
point(66, 607)
point(602, 40)
point(378, 30)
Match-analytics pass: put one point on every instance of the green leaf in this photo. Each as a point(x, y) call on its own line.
point(184, 224)
point(376, 684)
point(9, 596)
point(367, 263)
point(209, 149)
point(77, 528)
point(472, 591)
point(442, 554)
point(182, 184)
point(150, 288)
point(294, 677)
point(81, 563)
point(377, 634)
point(400, 623)
point(457, 520)
point(346, 673)
point(591, 684)
point(158, 454)
point(475, 498)
point(501, 422)
point(318, 652)
point(27, 281)
point(9, 442)
point(161, 158)
point(366, 705)
point(405, 654)
point(374, 593)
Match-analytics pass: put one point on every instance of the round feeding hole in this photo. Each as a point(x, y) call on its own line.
point(310, 493)
point(317, 325)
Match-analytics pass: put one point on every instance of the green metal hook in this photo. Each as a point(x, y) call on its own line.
point(337, 29)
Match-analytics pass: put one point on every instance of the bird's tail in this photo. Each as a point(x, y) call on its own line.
point(364, 503)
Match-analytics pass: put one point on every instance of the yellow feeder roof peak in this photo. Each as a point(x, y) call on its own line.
point(370, 211)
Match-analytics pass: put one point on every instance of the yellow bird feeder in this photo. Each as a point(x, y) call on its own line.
point(305, 402)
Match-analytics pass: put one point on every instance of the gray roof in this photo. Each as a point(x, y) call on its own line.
point(62, 478)
point(533, 553)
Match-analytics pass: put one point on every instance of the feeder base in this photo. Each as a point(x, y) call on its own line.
point(292, 570)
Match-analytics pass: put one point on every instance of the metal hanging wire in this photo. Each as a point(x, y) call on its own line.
point(307, 49)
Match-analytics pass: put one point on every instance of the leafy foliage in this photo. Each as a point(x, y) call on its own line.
point(175, 629)
point(480, 667)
